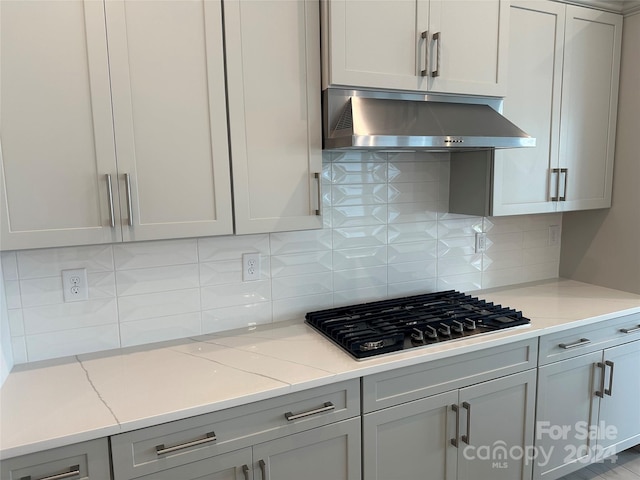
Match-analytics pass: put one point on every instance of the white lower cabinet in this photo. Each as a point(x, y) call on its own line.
point(587, 404)
point(481, 431)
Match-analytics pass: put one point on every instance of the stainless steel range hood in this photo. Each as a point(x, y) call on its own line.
point(374, 120)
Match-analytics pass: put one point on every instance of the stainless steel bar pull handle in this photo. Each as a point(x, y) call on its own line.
point(127, 180)
point(563, 171)
point(425, 36)
point(74, 471)
point(245, 471)
point(631, 330)
point(603, 368)
point(465, 438)
point(161, 450)
point(437, 37)
point(454, 441)
point(580, 343)
point(263, 469)
point(112, 220)
point(607, 391)
point(318, 211)
point(328, 406)
point(556, 172)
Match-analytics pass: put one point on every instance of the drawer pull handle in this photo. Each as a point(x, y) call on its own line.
point(601, 366)
point(263, 469)
point(74, 471)
point(454, 441)
point(465, 438)
point(161, 450)
point(127, 180)
point(112, 218)
point(607, 391)
point(580, 343)
point(318, 211)
point(630, 330)
point(425, 35)
point(328, 406)
point(245, 471)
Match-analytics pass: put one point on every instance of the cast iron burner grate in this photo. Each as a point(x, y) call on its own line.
point(375, 328)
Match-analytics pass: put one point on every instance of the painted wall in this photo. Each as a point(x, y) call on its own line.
point(603, 247)
point(386, 235)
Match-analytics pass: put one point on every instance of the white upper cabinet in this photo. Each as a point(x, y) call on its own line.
point(446, 46)
point(56, 134)
point(589, 107)
point(564, 65)
point(521, 175)
point(273, 73)
point(169, 107)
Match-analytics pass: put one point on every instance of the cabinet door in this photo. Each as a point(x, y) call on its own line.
point(56, 144)
point(398, 442)
point(534, 80)
point(167, 75)
point(497, 428)
point(229, 466)
point(589, 106)
point(273, 72)
point(329, 452)
point(567, 408)
point(470, 54)
point(619, 420)
point(376, 43)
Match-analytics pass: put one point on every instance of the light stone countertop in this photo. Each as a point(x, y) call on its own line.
point(60, 402)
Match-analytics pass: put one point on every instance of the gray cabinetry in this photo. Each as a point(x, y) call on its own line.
point(587, 406)
point(473, 408)
point(81, 461)
point(279, 438)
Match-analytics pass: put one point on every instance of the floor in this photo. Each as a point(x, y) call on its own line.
point(626, 467)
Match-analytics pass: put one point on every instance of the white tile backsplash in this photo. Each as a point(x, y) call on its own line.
point(387, 234)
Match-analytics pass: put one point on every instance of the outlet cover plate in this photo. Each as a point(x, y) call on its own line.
point(75, 286)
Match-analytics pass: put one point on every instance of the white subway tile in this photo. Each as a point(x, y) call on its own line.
point(456, 246)
point(301, 263)
point(359, 194)
point(220, 296)
point(359, 257)
point(9, 262)
point(19, 350)
point(418, 157)
point(12, 293)
point(463, 283)
point(500, 278)
point(404, 289)
point(413, 232)
point(502, 260)
point(503, 242)
point(229, 271)
point(412, 212)
point(541, 221)
point(536, 238)
point(157, 279)
point(459, 227)
point(368, 294)
point(250, 315)
point(401, 172)
point(231, 247)
point(502, 225)
point(354, 237)
point(72, 342)
point(159, 329)
point(139, 307)
point(50, 262)
point(405, 272)
point(68, 316)
point(358, 156)
point(361, 172)
point(298, 242)
point(48, 290)
point(359, 278)
point(358, 215)
point(155, 254)
point(301, 285)
point(412, 252)
point(296, 308)
point(533, 256)
point(540, 271)
point(448, 266)
point(414, 193)
point(16, 322)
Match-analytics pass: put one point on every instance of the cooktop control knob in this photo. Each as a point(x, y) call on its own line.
point(445, 330)
point(430, 332)
point(457, 326)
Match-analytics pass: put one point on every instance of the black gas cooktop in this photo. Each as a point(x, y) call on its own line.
point(376, 328)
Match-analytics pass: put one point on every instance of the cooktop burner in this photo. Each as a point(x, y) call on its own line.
point(376, 328)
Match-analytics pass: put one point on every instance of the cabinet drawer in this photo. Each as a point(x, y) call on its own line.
point(411, 383)
point(89, 459)
point(152, 449)
point(581, 340)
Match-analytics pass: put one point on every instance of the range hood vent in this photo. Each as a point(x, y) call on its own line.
point(371, 120)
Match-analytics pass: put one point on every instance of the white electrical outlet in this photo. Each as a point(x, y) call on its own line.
point(481, 242)
point(74, 285)
point(554, 235)
point(250, 267)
